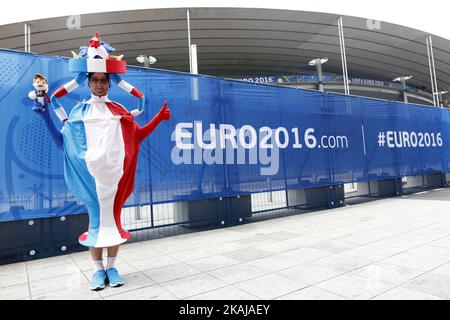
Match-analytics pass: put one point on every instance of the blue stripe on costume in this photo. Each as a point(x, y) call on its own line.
point(76, 173)
point(78, 65)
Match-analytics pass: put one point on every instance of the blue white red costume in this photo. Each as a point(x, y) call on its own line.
point(101, 140)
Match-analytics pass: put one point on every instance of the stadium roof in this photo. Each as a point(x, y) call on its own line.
point(245, 41)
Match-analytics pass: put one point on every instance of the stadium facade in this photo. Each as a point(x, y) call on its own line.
point(260, 45)
point(329, 149)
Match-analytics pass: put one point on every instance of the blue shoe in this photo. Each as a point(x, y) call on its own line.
point(98, 280)
point(115, 280)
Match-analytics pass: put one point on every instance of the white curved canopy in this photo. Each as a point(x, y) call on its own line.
point(246, 41)
point(430, 16)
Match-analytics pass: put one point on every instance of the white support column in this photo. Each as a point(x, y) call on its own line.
point(29, 37)
point(189, 39)
point(194, 65)
point(438, 102)
point(432, 69)
point(25, 33)
point(343, 56)
point(431, 72)
point(194, 70)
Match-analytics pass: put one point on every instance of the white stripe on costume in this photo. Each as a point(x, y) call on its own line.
point(104, 159)
point(61, 114)
point(125, 86)
point(71, 85)
point(99, 65)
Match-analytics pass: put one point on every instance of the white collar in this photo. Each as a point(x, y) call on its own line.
point(97, 99)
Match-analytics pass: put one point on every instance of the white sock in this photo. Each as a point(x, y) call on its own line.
point(98, 265)
point(110, 261)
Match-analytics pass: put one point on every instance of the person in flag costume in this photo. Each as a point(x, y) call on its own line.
point(101, 140)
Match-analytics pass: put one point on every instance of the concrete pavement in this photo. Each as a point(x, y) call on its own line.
point(396, 248)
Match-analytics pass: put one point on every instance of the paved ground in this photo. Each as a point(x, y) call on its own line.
point(396, 248)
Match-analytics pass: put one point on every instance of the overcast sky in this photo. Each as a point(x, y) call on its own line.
point(432, 16)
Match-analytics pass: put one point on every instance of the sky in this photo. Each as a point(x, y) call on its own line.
point(431, 16)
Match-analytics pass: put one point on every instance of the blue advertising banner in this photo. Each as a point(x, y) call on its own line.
point(224, 138)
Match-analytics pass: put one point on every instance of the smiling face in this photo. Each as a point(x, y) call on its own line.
point(99, 84)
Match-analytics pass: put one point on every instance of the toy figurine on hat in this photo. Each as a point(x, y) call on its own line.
point(101, 141)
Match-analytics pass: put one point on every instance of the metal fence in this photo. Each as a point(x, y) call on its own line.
point(150, 222)
point(180, 190)
point(42, 237)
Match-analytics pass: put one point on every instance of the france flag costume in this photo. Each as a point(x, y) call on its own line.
point(101, 140)
point(101, 147)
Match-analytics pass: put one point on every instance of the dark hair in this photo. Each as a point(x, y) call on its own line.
point(90, 74)
point(40, 76)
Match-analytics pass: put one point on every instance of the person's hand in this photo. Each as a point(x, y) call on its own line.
point(32, 95)
point(165, 111)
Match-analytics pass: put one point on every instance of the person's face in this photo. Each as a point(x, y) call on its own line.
point(99, 84)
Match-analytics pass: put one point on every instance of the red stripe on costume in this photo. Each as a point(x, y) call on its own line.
point(131, 141)
point(163, 114)
point(116, 66)
point(135, 92)
point(60, 92)
point(83, 237)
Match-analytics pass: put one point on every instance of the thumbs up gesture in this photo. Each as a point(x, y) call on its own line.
point(165, 112)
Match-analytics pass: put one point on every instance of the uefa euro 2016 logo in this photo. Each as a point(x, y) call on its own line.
point(246, 145)
point(225, 144)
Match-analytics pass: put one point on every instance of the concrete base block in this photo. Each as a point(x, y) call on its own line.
point(31, 239)
point(217, 210)
point(434, 180)
point(317, 197)
point(387, 187)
